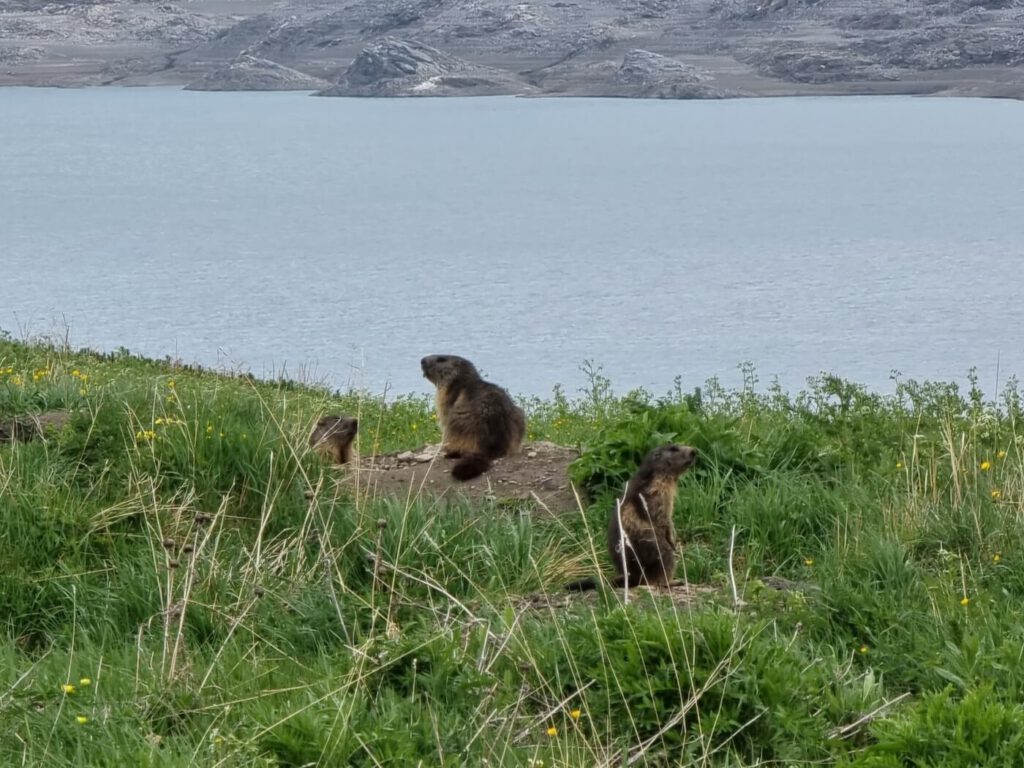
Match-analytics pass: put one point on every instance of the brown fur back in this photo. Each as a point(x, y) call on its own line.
point(479, 420)
point(647, 551)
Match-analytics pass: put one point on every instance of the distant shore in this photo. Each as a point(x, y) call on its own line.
point(704, 49)
point(979, 82)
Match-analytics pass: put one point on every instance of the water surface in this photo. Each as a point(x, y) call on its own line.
point(342, 239)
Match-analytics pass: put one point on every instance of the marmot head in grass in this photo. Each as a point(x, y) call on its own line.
point(333, 436)
point(670, 460)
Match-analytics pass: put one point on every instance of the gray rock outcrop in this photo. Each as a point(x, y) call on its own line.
point(803, 63)
point(17, 54)
point(641, 74)
point(251, 73)
point(651, 75)
point(394, 67)
point(634, 48)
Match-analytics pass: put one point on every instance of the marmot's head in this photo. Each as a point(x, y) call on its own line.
point(670, 459)
point(334, 429)
point(441, 370)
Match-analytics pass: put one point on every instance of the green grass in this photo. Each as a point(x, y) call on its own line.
point(162, 547)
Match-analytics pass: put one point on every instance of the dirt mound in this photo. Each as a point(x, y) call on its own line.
point(535, 478)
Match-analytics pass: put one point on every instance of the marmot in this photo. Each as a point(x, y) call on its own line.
point(646, 553)
point(479, 421)
point(333, 435)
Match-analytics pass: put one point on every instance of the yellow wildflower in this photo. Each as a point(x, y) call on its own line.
point(575, 714)
point(899, 465)
point(85, 682)
point(552, 731)
point(965, 600)
point(986, 465)
point(82, 719)
point(83, 392)
point(862, 649)
point(1001, 455)
point(996, 557)
point(170, 384)
point(808, 561)
point(996, 494)
point(158, 421)
point(68, 688)
point(209, 428)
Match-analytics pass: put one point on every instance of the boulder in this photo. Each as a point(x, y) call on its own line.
point(393, 67)
point(645, 74)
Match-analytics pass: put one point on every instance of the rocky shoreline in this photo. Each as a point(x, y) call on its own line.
point(666, 49)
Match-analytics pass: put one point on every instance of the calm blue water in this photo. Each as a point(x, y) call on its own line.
point(343, 239)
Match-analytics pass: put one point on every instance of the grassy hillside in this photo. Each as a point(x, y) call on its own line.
point(170, 594)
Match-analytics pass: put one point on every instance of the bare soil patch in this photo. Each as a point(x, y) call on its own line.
point(536, 478)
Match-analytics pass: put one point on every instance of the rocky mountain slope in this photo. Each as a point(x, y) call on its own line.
point(632, 48)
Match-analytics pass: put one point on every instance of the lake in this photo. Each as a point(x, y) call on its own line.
point(343, 239)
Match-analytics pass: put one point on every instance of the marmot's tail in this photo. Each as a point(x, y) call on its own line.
point(470, 466)
point(584, 584)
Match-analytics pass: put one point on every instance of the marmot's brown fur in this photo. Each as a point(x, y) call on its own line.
point(333, 436)
point(479, 421)
point(643, 547)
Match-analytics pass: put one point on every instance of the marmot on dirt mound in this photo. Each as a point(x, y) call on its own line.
point(643, 548)
point(333, 436)
point(479, 421)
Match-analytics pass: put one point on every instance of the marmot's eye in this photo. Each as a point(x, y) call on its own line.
point(674, 448)
point(442, 359)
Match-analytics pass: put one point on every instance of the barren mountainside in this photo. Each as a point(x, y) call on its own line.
point(632, 48)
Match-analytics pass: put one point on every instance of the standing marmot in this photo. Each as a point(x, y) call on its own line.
point(643, 549)
point(333, 435)
point(479, 421)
